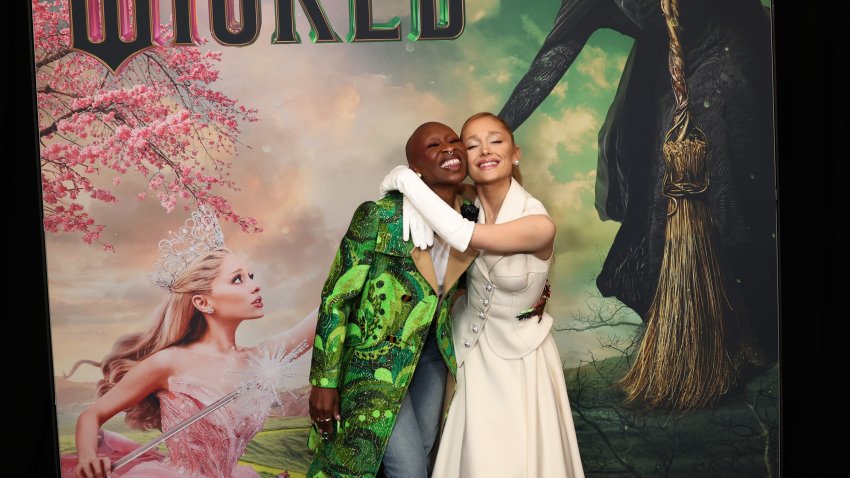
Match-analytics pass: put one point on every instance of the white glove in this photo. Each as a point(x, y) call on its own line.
point(443, 219)
point(414, 226)
point(390, 181)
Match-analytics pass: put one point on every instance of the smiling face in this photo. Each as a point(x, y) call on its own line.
point(234, 294)
point(435, 151)
point(490, 148)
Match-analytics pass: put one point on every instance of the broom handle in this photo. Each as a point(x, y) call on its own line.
point(676, 65)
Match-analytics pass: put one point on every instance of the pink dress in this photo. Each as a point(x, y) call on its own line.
point(210, 447)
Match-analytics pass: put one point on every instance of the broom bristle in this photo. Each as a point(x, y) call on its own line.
point(682, 361)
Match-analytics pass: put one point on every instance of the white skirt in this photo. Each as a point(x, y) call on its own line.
point(509, 418)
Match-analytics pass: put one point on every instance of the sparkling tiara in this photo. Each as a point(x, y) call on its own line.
point(199, 235)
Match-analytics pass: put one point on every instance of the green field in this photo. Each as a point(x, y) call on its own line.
point(281, 445)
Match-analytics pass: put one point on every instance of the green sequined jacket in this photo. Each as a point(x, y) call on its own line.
point(377, 305)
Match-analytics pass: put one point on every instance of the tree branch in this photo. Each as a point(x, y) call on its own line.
point(54, 57)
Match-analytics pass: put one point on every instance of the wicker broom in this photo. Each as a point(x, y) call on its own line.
point(683, 360)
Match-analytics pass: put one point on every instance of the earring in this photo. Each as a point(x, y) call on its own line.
point(417, 173)
point(516, 162)
point(210, 310)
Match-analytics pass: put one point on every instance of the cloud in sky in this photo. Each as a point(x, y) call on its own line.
point(618, 62)
point(530, 27)
point(594, 62)
point(479, 9)
point(560, 90)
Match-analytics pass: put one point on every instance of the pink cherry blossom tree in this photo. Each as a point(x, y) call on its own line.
point(159, 118)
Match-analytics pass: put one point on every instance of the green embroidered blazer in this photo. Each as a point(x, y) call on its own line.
point(378, 303)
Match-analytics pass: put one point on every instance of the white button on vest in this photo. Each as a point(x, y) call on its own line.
point(467, 343)
point(475, 329)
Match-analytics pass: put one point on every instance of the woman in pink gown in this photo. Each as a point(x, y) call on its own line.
point(185, 361)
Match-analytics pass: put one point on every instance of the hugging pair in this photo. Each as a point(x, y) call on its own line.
point(394, 324)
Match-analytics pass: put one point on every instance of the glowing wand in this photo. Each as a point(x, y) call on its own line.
point(180, 426)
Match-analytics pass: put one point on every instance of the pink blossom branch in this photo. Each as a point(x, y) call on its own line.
point(93, 122)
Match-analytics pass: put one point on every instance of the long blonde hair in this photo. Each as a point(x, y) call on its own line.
point(176, 322)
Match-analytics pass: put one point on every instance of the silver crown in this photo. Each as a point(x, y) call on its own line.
point(199, 235)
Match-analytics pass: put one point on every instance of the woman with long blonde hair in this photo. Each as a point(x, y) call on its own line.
point(187, 359)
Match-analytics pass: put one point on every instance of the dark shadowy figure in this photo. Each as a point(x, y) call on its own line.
point(727, 55)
